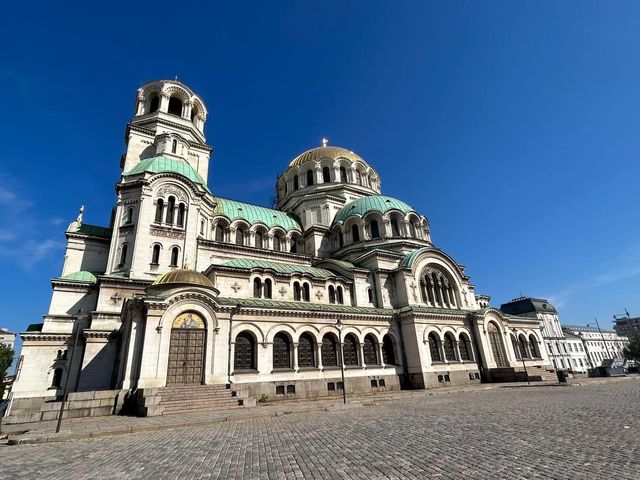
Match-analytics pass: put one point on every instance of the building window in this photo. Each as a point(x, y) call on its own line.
point(240, 236)
point(295, 182)
point(329, 351)
point(306, 349)
point(159, 209)
point(388, 355)
point(332, 294)
point(129, 217)
point(305, 292)
point(175, 106)
point(257, 288)
point(276, 243)
point(434, 347)
point(358, 178)
point(343, 175)
point(57, 378)
point(535, 349)
point(326, 175)
point(244, 356)
point(281, 351)
point(355, 233)
point(516, 347)
point(449, 347)
point(370, 295)
point(350, 350)
point(296, 291)
point(259, 239)
point(154, 104)
point(155, 257)
point(171, 205)
point(219, 235)
point(395, 227)
point(340, 295)
point(375, 229)
point(522, 343)
point(309, 178)
point(267, 288)
point(123, 254)
point(370, 351)
point(175, 251)
point(181, 212)
point(465, 348)
point(174, 145)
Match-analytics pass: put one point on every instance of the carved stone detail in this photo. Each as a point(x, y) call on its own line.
point(160, 232)
point(173, 190)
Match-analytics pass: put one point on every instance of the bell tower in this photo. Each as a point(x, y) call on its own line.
point(168, 121)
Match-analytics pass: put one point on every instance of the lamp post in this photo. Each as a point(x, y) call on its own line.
point(65, 393)
point(524, 365)
point(344, 387)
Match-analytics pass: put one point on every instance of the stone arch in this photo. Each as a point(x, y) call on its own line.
point(250, 326)
point(310, 329)
point(281, 327)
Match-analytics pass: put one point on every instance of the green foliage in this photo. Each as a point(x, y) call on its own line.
point(264, 398)
point(632, 350)
point(6, 357)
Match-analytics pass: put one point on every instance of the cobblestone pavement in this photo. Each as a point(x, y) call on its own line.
point(540, 432)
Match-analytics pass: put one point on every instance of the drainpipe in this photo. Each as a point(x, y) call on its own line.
point(233, 312)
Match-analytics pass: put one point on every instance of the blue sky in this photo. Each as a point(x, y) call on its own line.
point(513, 126)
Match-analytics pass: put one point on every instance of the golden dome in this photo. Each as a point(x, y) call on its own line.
point(331, 152)
point(184, 276)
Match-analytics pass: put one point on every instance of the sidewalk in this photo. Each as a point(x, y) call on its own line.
point(94, 427)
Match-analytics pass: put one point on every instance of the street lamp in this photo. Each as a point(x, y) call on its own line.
point(344, 387)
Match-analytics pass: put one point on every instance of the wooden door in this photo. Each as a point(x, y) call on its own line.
point(186, 356)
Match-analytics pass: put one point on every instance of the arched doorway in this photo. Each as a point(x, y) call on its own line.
point(186, 350)
point(497, 347)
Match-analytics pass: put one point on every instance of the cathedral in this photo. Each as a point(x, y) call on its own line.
point(337, 289)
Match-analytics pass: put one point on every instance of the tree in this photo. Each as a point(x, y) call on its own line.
point(6, 358)
point(632, 349)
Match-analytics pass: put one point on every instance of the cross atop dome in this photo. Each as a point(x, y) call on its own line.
point(324, 142)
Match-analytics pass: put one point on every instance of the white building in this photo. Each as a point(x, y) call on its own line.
point(599, 344)
point(258, 308)
point(7, 338)
point(578, 358)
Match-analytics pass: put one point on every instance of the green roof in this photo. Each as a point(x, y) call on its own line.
point(81, 276)
point(93, 231)
point(372, 203)
point(286, 268)
point(255, 214)
point(308, 306)
point(409, 259)
point(164, 164)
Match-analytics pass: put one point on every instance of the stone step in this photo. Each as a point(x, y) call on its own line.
point(179, 410)
point(227, 401)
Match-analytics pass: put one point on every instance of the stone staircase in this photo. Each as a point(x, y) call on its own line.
point(191, 398)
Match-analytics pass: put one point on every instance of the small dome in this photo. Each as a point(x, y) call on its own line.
point(184, 276)
point(318, 153)
point(371, 203)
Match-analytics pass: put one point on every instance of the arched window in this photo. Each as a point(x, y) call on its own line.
point(340, 239)
point(497, 347)
point(370, 295)
point(295, 182)
point(535, 349)
point(219, 233)
point(329, 351)
point(171, 205)
point(175, 106)
point(201, 227)
point(370, 351)
point(465, 348)
point(267, 288)
point(332, 294)
point(123, 254)
point(350, 350)
point(296, 291)
point(174, 145)
point(395, 227)
point(129, 217)
point(294, 246)
point(175, 251)
point(374, 228)
point(340, 295)
point(434, 347)
point(194, 113)
point(516, 347)
point(155, 257)
point(154, 104)
point(240, 236)
point(259, 239)
point(522, 343)
point(257, 288)
point(358, 178)
point(449, 347)
point(159, 209)
point(244, 355)
point(355, 233)
point(57, 378)
point(276, 243)
point(281, 351)
point(305, 292)
point(343, 175)
point(181, 212)
point(326, 175)
point(388, 355)
point(309, 178)
point(306, 351)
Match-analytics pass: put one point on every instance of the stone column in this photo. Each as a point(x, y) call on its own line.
point(164, 102)
point(295, 357)
point(319, 355)
point(361, 352)
point(381, 355)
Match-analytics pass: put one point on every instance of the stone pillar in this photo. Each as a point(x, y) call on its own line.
point(295, 357)
point(319, 355)
point(164, 102)
point(380, 355)
point(361, 352)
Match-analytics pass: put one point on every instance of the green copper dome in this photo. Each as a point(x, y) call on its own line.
point(252, 214)
point(372, 203)
point(164, 164)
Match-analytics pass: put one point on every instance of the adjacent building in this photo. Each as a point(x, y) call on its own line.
point(599, 344)
point(627, 327)
point(184, 287)
point(7, 338)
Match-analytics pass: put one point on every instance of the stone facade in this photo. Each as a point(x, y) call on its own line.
point(187, 287)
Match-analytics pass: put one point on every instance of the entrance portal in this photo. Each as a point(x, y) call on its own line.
point(497, 347)
point(186, 350)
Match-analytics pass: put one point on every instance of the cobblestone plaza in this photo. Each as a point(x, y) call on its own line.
point(589, 431)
